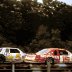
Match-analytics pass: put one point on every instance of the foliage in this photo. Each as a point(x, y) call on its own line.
point(35, 25)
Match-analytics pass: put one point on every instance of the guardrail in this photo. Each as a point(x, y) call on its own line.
point(26, 67)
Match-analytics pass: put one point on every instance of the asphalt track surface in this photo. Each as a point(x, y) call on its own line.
point(33, 67)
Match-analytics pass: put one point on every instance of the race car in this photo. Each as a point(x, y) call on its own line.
point(52, 55)
point(11, 54)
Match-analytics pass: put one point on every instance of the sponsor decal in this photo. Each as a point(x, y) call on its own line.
point(9, 58)
point(18, 56)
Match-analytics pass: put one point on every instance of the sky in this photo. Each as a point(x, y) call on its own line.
point(69, 2)
point(40, 1)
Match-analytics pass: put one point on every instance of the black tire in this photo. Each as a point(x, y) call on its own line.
point(2, 58)
point(50, 59)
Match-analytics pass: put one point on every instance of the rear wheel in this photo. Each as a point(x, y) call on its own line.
point(50, 59)
point(2, 58)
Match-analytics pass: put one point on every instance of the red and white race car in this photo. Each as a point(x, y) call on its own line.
point(54, 55)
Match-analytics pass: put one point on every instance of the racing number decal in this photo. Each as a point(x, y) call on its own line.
point(56, 57)
point(66, 59)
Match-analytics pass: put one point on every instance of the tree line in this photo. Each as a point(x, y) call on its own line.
point(31, 25)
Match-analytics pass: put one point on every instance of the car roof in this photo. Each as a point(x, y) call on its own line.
point(8, 48)
point(55, 48)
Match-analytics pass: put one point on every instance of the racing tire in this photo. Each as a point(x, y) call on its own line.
point(50, 59)
point(2, 58)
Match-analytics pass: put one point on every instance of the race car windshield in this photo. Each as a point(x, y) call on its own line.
point(44, 51)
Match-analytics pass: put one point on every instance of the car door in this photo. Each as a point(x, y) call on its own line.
point(7, 54)
point(64, 56)
point(56, 56)
point(15, 54)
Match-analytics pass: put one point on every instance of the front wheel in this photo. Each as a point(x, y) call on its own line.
point(2, 58)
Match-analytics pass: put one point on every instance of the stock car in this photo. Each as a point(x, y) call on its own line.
point(52, 55)
point(10, 54)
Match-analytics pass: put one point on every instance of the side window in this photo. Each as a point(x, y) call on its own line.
point(63, 52)
point(55, 52)
point(14, 51)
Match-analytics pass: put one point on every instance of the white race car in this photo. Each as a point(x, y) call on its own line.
point(54, 55)
point(11, 54)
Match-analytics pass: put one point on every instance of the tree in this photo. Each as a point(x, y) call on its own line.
point(20, 21)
